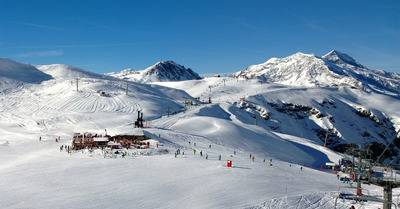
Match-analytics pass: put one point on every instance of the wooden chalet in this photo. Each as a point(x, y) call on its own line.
point(134, 137)
point(87, 140)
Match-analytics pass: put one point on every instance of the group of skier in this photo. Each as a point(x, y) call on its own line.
point(65, 147)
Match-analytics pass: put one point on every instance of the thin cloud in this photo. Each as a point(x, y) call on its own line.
point(80, 45)
point(315, 27)
point(51, 53)
point(40, 26)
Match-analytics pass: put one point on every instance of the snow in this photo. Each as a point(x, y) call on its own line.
point(332, 69)
point(36, 174)
point(161, 71)
point(21, 72)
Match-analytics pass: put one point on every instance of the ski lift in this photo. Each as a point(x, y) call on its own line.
point(363, 198)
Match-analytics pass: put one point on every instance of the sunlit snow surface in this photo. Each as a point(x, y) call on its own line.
point(35, 174)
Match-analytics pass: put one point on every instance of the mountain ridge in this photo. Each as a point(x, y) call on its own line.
point(161, 71)
point(332, 69)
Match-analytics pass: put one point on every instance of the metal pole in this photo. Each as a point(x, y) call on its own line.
point(359, 174)
point(77, 79)
point(387, 196)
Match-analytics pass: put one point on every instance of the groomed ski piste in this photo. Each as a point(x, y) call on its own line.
point(36, 174)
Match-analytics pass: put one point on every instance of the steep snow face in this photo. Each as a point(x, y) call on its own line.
point(333, 69)
point(342, 59)
point(161, 71)
point(21, 72)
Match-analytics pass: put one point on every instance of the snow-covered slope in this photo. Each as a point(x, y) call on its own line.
point(348, 115)
point(161, 71)
point(273, 122)
point(60, 71)
point(332, 69)
point(10, 69)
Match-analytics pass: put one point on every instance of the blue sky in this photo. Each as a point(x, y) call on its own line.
point(208, 36)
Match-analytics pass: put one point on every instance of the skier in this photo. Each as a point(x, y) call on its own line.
point(201, 153)
point(253, 158)
point(264, 160)
point(301, 168)
point(206, 156)
point(40, 138)
point(250, 156)
point(209, 146)
point(219, 158)
point(234, 152)
point(352, 207)
point(175, 154)
point(194, 151)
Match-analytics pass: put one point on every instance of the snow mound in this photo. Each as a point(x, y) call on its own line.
point(21, 72)
point(69, 72)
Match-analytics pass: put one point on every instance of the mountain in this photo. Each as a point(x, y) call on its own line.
point(69, 72)
point(332, 69)
point(283, 126)
point(341, 115)
point(161, 71)
point(26, 73)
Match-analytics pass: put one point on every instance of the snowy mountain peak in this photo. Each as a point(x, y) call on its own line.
point(161, 71)
point(333, 69)
point(341, 59)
